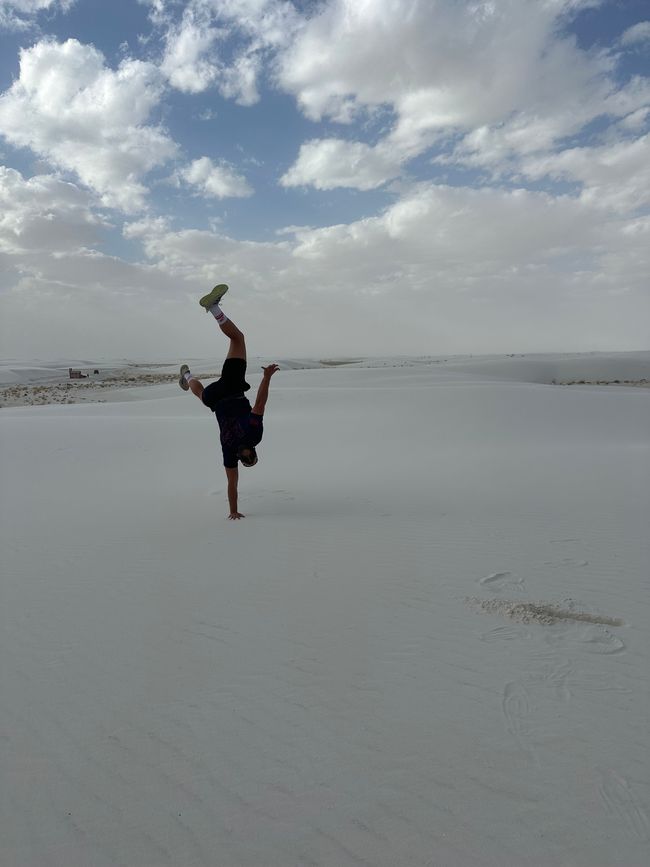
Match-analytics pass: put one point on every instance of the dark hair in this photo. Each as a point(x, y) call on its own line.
point(247, 455)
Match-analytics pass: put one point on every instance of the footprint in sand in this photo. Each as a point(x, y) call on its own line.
point(516, 712)
point(557, 676)
point(621, 801)
point(498, 581)
point(505, 633)
point(601, 640)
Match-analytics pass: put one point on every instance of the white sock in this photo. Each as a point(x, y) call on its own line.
point(187, 376)
point(218, 314)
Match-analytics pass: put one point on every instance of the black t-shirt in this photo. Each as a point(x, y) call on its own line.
point(238, 425)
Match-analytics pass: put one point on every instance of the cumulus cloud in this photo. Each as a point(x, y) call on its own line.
point(328, 163)
point(445, 269)
point(614, 176)
point(454, 235)
point(637, 34)
point(636, 120)
point(185, 63)
point(19, 14)
point(265, 23)
point(443, 236)
point(71, 109)
point(238, 79)
point(501, 148)
point(59, 294)
point(31, 6)
point(219, 181)
point(455, 255)
point(449, 69)
point(192, 61)
point(45, 213)
point(500, 73)
point(223, 43)
point(494, 86)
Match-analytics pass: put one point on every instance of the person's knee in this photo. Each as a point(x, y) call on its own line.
point(238, 345)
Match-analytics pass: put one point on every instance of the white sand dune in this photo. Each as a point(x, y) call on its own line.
point(309, 686)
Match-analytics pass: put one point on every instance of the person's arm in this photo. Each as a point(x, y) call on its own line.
point(232, 474)
point(263, 390)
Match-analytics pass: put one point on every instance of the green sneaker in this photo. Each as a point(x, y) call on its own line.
point(181, 381)
point(213, 297)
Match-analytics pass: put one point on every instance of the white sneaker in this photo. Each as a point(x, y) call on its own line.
point(181, 379)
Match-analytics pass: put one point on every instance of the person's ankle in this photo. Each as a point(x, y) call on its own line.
point(218, 314)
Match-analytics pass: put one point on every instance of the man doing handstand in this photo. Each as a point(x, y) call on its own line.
point(241, 427)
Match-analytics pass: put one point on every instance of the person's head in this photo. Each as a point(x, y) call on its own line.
point(247, 455)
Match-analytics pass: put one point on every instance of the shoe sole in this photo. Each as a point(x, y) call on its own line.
point(181, 381)
point(213, 297)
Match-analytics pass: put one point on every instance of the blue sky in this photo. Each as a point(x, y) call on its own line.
point(382, 177)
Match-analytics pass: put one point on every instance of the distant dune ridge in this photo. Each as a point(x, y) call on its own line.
point(27, 384)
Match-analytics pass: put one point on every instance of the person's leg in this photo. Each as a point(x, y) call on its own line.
point(237, 347)
point(196, 387)
point(210, 303)
point(189, 382)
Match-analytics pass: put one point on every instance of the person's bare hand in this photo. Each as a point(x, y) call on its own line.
point(235, 516)
point(270, 370)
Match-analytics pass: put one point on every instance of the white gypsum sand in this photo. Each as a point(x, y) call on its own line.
point(29, 385)
point(36, 383)
point(308, 685)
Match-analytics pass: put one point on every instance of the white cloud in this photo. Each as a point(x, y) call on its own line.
point(499, 71)
point(614, 176)
point(44, 213)
point(267, 23)
point(140, 229)
point(192, 62)
point(435, 232)
point(239, 79)
point(636, 34)
point(30, 7)
point(329, 163)
point(217, 181)
point(449, 69)
point(500, 148)
point(198, 54)
point(443, 269)
point(493, 85)
point(184, 62)
point(60, 296)
point(507, 147)
point(83, 117)
point(452, 234)
point(636, 120)
point(18, 14)
point(472, 270)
